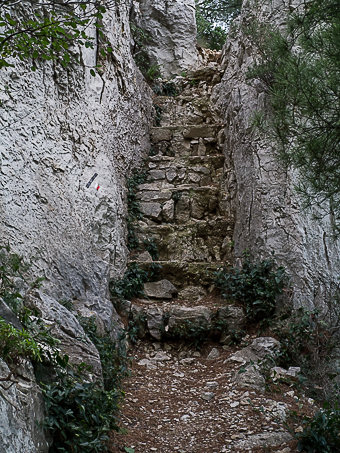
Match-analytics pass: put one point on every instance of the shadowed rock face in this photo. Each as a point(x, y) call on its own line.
point(171, 27)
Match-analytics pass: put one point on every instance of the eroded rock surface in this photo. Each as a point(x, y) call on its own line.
point(21, 411)
point(171, 31)
point(269, 215)
point(64, 130)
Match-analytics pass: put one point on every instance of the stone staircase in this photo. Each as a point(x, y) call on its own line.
point(182, 202)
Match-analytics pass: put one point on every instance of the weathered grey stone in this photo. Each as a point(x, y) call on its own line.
point(183, 318)
point(138, 316)
point(198, 131)
point(265, 440)
point(155, 322)
point(213, 354)
point(233, 317)
point(279, 372)
point(152, 210)
point(149, 364)
point(172, 30)
point(21, 410)
point(192, 293)
point(144, 257)
point(260, 348)
point(7, 314)
point(171, 174)
point(161, 356)
point(182, 209)
point(123, 307)
point(82, 126)
point(250, 377)
point(269, 213)
point(102, 312)
point(160, 134)
point(168, 211)
point(162, 289)
point(152, 196)
point(156, 174)
point(208, 396)
point(64, 325)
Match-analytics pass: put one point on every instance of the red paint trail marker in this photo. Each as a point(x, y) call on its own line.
point(98, 187)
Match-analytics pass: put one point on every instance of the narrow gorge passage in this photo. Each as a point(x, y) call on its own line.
point(182, 397)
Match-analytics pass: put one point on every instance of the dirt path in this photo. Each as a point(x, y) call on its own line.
point(180, 400)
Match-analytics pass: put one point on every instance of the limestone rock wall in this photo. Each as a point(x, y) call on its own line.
point(268, 213)
point(171, 29)
point(60, 128)
point(21, 408)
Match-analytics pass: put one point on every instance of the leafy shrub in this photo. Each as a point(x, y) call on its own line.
point(256, 286)
point(151, 246)
point(153, 72)
point(309, 340)
point(211, 18)
point(16, 344)
point(299, 71)
point(79, 414)
point(302, 335)
point(112, 354)
point(131, 285)
point(321, 433)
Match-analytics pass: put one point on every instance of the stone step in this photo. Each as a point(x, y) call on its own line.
point(181, 110)
point(182, 173)
point(197, 241)
point(183, 274)
point(164, 162)
point(182, 320)
point(179, 203)
point(190, 140)
point(193, 131)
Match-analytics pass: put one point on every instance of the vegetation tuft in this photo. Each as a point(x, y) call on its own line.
point(321, 433)
point(256, 285)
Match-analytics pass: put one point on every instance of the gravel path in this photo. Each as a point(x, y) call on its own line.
point(182, 400)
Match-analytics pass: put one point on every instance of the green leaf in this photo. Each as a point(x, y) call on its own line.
point(129, 450)
point(93, 72)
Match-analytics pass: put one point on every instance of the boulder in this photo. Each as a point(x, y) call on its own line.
point(192, 293)
point(152, 210)
point(232, 317)
point(169, 210)
point(251, 356)
point(64, 325)
point(144, 257)
point(260, 348)
point(162, 289)
point(155, 322)
point(182, 320)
